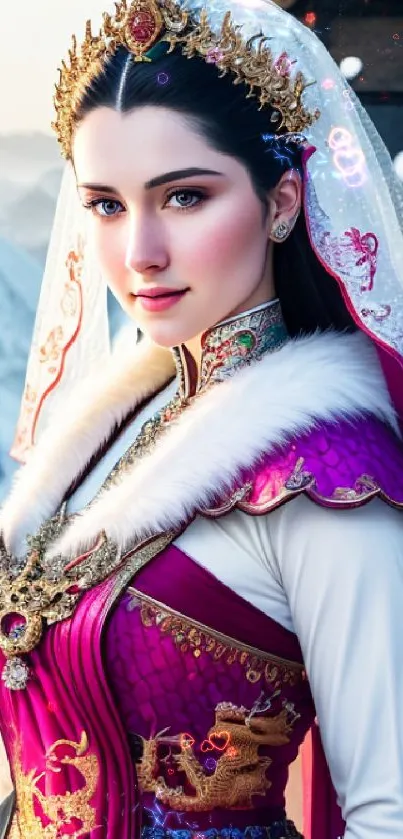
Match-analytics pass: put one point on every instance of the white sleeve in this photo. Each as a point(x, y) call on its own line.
point(342, 571)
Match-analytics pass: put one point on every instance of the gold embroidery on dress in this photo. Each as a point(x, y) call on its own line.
point(41, 590)
point(240, 772)
point(189, 635)
point(60, 810)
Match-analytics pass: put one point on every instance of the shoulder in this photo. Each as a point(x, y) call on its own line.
point(315, 419)
point(338, 465)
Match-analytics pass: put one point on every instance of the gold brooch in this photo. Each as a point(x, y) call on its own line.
point(36, 591)
point(138, 26)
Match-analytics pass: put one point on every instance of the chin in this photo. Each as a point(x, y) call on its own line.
point(167, 328)
point(165, 334)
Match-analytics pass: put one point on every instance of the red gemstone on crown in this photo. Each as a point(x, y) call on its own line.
point(143, 27)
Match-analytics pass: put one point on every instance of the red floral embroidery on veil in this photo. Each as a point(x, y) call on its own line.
point(51, 353)
point(365, 246)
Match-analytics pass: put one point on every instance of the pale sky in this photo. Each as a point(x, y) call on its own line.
point(35, 36)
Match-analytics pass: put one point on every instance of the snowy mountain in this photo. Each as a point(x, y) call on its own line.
point(30, 175)
point(20, 278)
point(24, 158)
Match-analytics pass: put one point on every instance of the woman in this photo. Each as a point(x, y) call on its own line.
point(218, 550)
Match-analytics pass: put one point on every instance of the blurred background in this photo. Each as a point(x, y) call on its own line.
point(364, 36)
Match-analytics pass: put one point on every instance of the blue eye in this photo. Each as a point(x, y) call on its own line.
point(104, 207)
point(186, 198)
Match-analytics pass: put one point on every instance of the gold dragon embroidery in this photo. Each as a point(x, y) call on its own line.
point(240, 771)
point(69, 814)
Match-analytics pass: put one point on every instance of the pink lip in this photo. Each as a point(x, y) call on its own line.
point(158, 299)
point(158, 291)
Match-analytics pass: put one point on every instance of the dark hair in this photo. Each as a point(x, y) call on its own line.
point(233, 124)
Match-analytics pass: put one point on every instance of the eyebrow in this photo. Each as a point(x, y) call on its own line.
point(168, 177)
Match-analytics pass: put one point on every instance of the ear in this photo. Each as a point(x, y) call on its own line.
point(285, 204)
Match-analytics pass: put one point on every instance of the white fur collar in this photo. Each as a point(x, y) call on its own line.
point(321, 377)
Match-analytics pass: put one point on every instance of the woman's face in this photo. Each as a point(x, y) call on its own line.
point(181, 236)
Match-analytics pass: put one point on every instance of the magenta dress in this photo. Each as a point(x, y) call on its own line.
point(166, 706)
point(172, 707)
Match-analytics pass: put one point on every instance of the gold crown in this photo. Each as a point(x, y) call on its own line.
point(141, 24)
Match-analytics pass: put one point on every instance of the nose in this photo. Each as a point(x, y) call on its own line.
point(146, 250)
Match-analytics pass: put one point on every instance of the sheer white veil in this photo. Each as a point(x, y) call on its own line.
point(353, 202)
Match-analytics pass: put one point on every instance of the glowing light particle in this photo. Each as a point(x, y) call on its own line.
point(348, 157)
point(186, 741)
point(351, 66)
point(310, 18)
point(210, 764)
point(218, 740)
point(328, 84)
point(398, 164)
point(339, 138)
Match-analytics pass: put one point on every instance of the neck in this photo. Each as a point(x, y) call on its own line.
point(231, 344)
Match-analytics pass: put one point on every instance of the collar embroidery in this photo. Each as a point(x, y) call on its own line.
point(231, 345)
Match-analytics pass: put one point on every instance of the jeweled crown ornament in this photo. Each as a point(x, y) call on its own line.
point(140, 25)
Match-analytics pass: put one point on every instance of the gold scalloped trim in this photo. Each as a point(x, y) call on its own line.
point(190, 635)
point(342, 498)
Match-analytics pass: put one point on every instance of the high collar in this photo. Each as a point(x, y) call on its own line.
point(229, 346)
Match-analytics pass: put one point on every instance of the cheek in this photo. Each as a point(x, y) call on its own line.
point(228, 239)
point(111, 252)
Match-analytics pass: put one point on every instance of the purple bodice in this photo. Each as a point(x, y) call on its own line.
point(214, 701)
